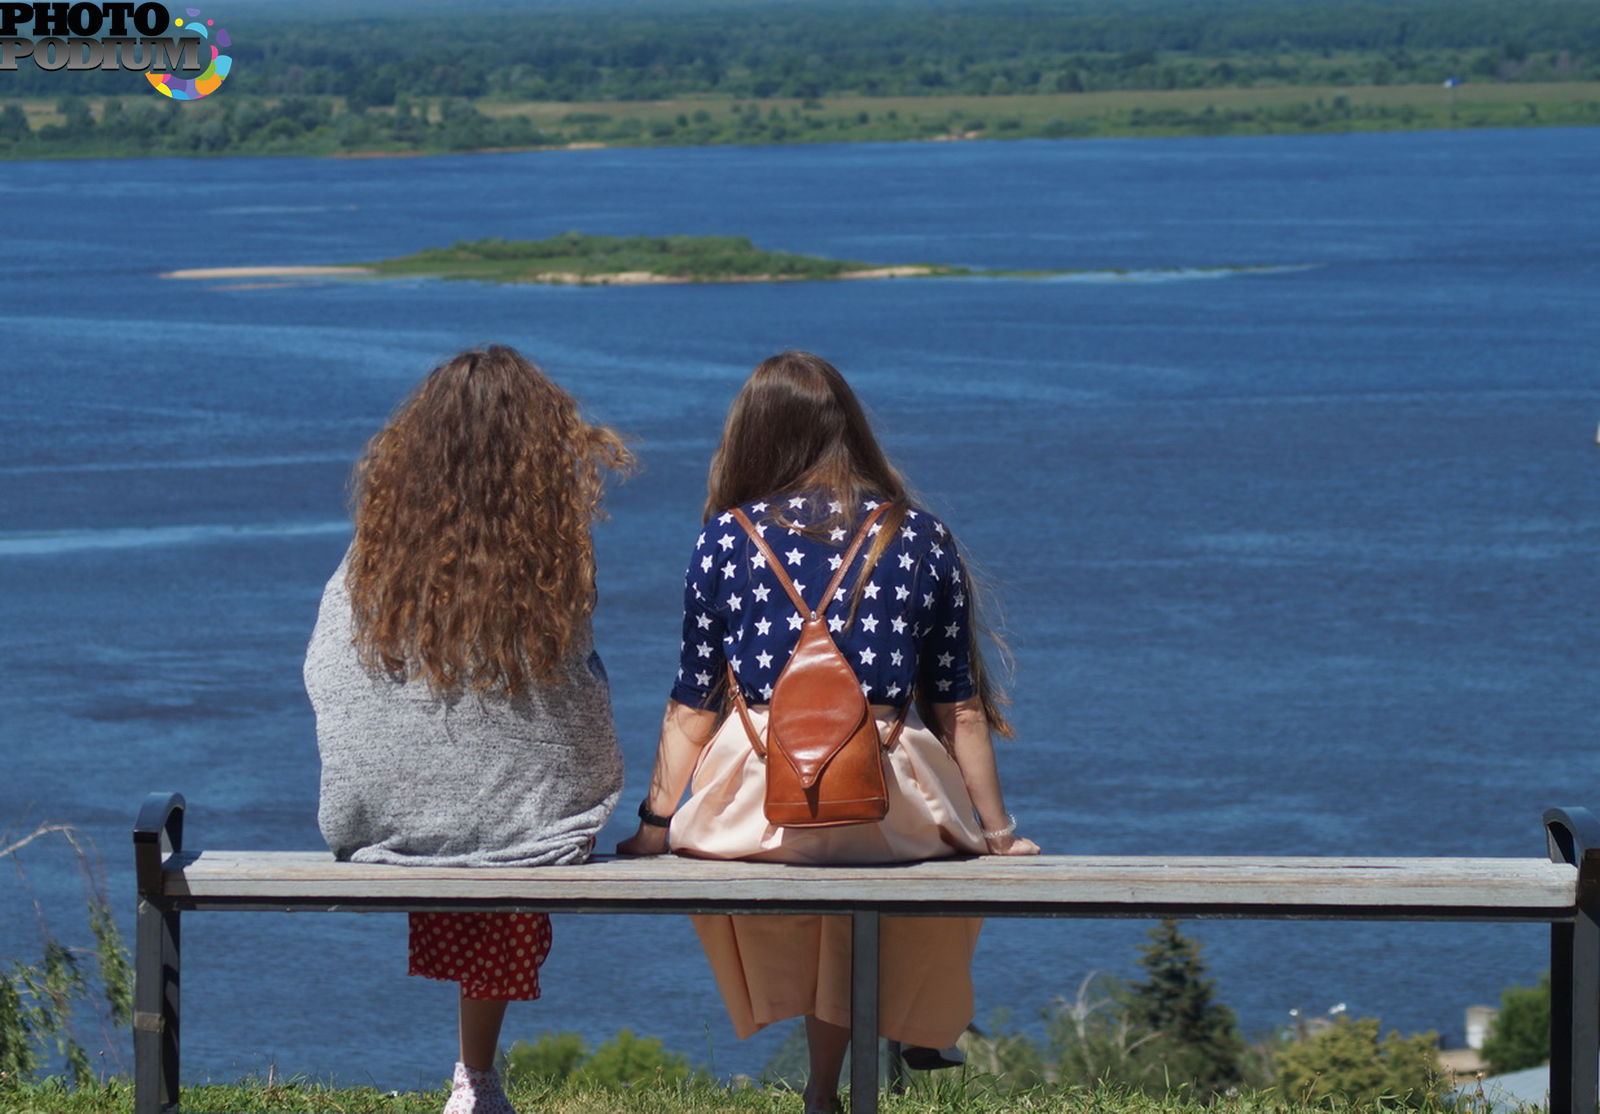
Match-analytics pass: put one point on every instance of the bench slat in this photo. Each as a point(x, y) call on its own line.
point(994, 884)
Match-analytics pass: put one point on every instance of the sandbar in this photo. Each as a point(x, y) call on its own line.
point(263, 272)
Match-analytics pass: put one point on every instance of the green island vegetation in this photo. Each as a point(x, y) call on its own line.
point(1163, 1044)
point(362, 78)
point(573, 257)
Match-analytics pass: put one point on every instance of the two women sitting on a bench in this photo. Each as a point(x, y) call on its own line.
point(464, 719)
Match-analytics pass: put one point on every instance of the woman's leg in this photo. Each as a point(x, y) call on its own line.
point(480, 1031)
point(826, 1044)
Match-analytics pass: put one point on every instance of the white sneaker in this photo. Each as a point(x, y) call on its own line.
point(477, 1092)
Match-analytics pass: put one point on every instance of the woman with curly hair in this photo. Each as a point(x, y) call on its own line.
point(463, 716)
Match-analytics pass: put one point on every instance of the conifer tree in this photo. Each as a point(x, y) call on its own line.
point(1198, 1040)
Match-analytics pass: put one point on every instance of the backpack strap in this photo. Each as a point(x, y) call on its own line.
point(784, 579)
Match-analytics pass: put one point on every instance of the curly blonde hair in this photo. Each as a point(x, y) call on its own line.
point(473, 564)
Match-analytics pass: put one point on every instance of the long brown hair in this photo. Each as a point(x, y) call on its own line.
point(797, 427)
point(472, 563)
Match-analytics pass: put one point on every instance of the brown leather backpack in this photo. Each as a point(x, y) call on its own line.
point(823, 755)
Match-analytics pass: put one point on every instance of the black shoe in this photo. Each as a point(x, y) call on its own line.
point(932, 1059)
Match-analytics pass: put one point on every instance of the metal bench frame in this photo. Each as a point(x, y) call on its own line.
point(172, 881)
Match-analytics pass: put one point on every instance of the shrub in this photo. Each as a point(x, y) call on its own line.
point(1521, 1035)
point(1346, 1063)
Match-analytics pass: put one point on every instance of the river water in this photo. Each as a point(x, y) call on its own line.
point(1295, 560)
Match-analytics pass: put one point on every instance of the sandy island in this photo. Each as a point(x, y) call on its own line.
point(263, 272)
point(553, 278)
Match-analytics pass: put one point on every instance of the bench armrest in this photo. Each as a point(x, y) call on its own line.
point(157, 831)
point(1574, 837)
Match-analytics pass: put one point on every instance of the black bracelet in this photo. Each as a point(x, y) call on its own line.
point(651, 818)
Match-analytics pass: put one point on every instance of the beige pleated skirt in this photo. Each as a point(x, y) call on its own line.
point(773, 967)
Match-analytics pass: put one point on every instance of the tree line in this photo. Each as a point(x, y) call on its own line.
point(646, 51)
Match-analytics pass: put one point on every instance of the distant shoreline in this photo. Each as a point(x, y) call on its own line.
point(505, 127)
point(548, 278)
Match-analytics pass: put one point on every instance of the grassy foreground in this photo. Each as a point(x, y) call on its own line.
point(929, 1097)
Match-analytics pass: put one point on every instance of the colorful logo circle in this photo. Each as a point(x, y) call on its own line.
point(192, 89)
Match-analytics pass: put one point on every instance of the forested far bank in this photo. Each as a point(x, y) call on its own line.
point(606, 51)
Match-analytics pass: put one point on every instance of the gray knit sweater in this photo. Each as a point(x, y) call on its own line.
point(471, 780)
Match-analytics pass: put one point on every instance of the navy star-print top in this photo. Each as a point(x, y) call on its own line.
point(909, 627)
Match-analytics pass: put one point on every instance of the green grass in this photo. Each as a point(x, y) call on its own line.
point(931, 1096)
point(575, 257)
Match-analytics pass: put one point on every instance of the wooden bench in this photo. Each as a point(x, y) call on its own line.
point(1562, 891)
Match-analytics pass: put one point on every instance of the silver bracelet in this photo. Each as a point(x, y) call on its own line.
point(1001, 833)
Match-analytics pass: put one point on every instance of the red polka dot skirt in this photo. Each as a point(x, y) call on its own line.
point(492, 955)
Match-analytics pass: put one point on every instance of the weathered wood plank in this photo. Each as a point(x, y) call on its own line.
point(999, 884)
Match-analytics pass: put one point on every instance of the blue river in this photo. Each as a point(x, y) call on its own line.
point(1283, 495)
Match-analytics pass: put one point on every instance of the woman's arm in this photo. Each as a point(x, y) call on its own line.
point(965, 730)
point(684, 730)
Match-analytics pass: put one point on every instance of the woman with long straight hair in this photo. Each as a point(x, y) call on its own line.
point(799, 462)
point(463, 717)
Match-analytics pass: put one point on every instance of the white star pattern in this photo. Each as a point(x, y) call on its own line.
point(914, 624)
point(835, 508)
point(725, 518)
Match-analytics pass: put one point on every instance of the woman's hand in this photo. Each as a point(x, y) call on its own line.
point(1011, 844)
point(647, 840)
